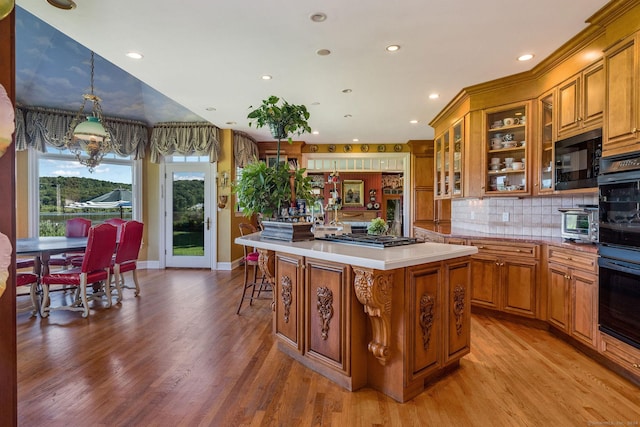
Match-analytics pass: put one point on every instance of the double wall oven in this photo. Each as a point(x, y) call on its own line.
point(619, 247)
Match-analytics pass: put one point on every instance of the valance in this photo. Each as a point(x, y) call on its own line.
point(38, 127)
point(245, 149)
point(199, 138)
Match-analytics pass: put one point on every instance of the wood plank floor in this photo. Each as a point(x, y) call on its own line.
point(178, 355)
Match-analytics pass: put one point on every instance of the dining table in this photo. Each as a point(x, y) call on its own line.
point(43, 247)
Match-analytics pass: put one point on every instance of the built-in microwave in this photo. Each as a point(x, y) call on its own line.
point(577, 161)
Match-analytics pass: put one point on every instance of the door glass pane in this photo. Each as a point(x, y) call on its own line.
point(188, 214)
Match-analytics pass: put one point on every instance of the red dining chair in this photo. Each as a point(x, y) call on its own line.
point(30, 280)
point(101, 244)
point(250, 259)
point(74, 227)
point(118, 223)
point(126, 258)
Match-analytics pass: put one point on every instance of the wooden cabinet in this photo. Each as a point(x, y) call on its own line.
point(287, 296)
point(505, 276)
point(545, 163)
point(506, 160)
point(448, 161)
point(624, 355)
point(581, 101)
point(422, 185)
point(622, 112)
point(573, 293)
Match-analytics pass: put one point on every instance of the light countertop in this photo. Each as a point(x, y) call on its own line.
point(362, 256)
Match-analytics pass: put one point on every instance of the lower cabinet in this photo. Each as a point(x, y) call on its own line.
point(505, 276)
point(572, 304)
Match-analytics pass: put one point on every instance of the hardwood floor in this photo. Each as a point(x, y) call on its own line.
point(178, 355)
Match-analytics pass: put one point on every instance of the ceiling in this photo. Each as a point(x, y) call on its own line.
point(209, 56)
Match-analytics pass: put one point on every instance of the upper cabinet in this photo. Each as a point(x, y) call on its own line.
point(581, 101)
point(545, 159)
point(448, 160)
point(622, 117)
point(505, 149)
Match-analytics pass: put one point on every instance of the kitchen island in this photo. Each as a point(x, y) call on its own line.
point(393, 319)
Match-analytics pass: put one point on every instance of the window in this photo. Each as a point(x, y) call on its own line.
point(64, 184)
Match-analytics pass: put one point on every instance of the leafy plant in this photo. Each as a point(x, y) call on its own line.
point(377, 226)
point(266, 190)
point(283, 119)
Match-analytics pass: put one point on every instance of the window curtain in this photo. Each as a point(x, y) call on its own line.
point(38, 127)
point(245, 149)
point(198, 138)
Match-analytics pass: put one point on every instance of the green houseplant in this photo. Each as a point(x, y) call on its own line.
point(377, 226)
point(283, 119)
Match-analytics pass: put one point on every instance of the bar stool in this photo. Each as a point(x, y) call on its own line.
point(250, 259)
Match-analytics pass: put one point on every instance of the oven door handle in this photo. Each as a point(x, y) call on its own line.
point(625, 267)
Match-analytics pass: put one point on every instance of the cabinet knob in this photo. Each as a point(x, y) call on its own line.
point(634, 130)
point(518, 250)
point(636, 365)
point(579, 119)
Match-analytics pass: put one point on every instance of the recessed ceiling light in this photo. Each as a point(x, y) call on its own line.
point(525, 57)
point(347, 90)
point(323, 52)
point(393, 48)
point(62, 4)
point(434, 96)
point(347, 116)
point(210, 108)
point(413, 122)
point(318, 17)
point(231, 123)
point(266, 77)
point(355, 140)
point(134, 55)
point(315, 103)
point(315, 132)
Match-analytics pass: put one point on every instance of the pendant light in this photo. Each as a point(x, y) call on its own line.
point(89, 140)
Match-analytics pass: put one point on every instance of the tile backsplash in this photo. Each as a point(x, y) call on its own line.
point(535, 216)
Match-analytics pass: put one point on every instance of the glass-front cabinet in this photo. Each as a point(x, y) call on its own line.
point(545, 183)
point(448, 162)
point(506, 149)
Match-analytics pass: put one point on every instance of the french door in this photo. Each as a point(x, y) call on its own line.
point(189, 222)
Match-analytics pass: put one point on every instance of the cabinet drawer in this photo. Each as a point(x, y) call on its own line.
point(528, 250)
point(575, 259)
point(621, 353)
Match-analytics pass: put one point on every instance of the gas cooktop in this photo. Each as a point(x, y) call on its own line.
point(360, 239)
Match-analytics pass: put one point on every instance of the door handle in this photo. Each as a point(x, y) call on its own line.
point(208, 223)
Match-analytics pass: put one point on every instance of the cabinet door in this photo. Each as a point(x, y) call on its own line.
point(569, 106)
point(584, 309)
point(327, 298)
point(520, 282)
point(425, 307)
point(287, 321)
point(485, 281)
point(621, 114)
point(545, 161)
point(558, 296)
point(458, 320)
point(593, 95)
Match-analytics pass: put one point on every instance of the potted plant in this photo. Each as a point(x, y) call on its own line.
point(283, 119)
point(377, 226)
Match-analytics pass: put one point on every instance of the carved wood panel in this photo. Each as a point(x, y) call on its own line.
point(287, 319)
point(425, 319)
point(458, 319)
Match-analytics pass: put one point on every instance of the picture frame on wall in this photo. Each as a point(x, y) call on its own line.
point(353, 193)
point(271, 160)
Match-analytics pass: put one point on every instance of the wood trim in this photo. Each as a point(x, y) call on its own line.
point(8, 357)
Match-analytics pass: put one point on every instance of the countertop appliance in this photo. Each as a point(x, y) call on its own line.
point(580, 224)
point(619, 248)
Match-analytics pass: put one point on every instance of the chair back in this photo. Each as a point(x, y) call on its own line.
point(116, 222)
point(77, 227)
point(245, 229)
point(101, 244)
point(130, 241)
